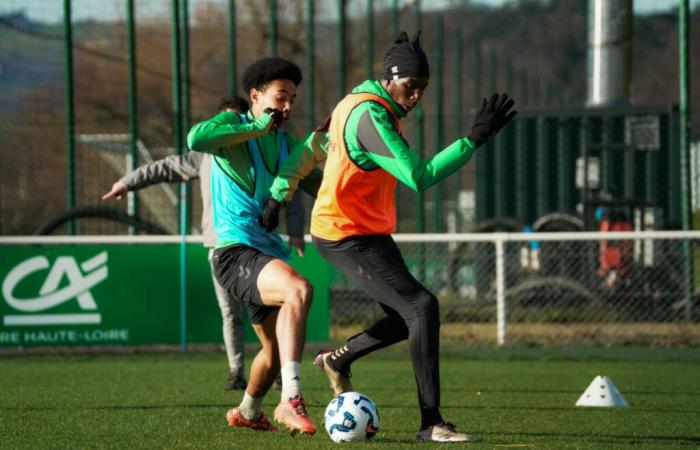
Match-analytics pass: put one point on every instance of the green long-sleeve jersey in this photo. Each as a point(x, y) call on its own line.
point(225, 136)
point(372, 138)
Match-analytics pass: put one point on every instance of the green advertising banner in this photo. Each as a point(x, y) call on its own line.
point(125, 293)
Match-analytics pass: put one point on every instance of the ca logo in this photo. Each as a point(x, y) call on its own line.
point(81, 278)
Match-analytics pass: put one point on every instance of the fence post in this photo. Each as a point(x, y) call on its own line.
point(70, 111)
point(232, 47)
point(273, 27)
point(438, 219)
point(132, 205)
point(177, 138)
point(341, 49)
point(310, 65)
point(500, 292)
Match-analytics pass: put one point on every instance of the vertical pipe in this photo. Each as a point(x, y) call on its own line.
point(273, 28)
point(420, 140)
point(501, 164)
point(185, 191)
point(522, 88)
point(177, 143)
point(542, 168)
point(133, 105)
point(500, 293)
point(458, 97)
point(565, 186)
point(70, 110)
point(341, 49)
point(370, 40)
point(520, 157)
point(439, 109)
point(488, 150)
point(684, 108)
point(394, 19)
point(536, 94)
point(232, 87)
point(684, 119)
point(482, 175)
point(310, 63)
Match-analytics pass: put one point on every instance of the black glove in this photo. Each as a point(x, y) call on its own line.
point(492, 116)
point(271, 214)
point(277, 115)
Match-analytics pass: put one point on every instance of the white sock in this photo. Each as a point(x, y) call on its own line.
point(291, 380)
point(250, 407)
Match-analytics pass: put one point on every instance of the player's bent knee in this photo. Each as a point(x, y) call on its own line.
point(300, 294)
point(426, 306)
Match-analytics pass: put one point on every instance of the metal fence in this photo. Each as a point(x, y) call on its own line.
point(92, 88)
point(548, 289)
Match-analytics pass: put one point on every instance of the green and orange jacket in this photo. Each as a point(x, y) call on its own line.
point(373, 141)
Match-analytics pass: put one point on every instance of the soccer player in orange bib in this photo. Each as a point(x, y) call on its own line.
point(354, 215)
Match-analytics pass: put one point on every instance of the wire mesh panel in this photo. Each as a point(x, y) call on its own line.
point(598, 291)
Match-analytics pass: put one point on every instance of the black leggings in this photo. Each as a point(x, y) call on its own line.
point(375, 263)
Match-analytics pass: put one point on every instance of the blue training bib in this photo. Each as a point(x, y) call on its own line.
point(236, 213)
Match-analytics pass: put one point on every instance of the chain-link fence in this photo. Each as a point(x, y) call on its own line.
point(548, 288)
point(473, 49)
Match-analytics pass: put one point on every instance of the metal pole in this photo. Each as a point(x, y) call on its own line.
point(70, 111)
point(310, 63)
point(185, 118)
point(133, 107)
point(273, 27)
point(684, 119)
point(482, 175)
point(500, 293)
point(420, 140)
point(177, 142)
point(341, 49)
point(232, 47)
point(439, 114)
point(522, 95)
point(684, 108)
point(458, 119)
point(370, 39)
point(394, 19)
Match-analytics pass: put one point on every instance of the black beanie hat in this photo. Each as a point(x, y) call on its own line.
point(406, 59)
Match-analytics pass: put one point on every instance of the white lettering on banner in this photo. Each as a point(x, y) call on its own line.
point(50, 295)
point(71, 336)
point(9, 337)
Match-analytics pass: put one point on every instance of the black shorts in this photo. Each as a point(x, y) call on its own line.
point(237, 268)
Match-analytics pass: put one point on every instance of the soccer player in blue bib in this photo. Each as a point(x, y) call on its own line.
point(248, 150)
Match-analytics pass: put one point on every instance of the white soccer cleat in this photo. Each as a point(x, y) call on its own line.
point(444, 432)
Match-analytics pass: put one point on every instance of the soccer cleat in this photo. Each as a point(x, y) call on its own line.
point(339, 383)
point(236, 419)
point(292, 414)
point(443, 432)
point(235, 382)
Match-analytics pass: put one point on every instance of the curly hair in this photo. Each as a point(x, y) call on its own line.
point(265, 70)
point(234, 102)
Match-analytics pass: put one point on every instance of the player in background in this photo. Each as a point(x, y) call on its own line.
point(195, 165)
point(355, 214)
point(249, 262)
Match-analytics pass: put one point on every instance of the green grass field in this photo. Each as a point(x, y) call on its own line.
point(508, 398)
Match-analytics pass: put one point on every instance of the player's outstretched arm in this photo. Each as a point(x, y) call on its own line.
point(381, 143)
point(171, 169)
point(225, 129)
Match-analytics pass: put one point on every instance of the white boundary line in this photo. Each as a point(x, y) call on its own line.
point(401, 237)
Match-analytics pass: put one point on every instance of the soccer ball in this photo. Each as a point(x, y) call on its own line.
point(351, 416)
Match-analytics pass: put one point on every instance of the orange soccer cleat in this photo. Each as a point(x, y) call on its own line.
point(293, 415)
point(236, 419)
